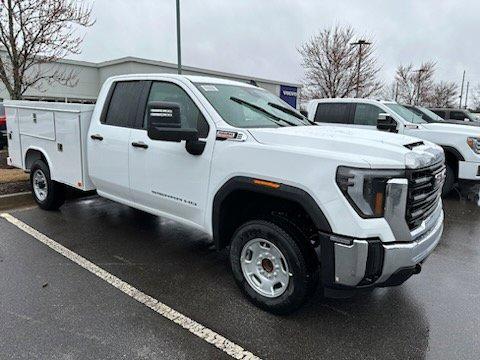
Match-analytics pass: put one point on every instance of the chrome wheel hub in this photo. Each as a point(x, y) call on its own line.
point(40, 187)
point(265, 268)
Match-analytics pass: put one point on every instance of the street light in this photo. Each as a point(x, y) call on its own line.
point(360, 44)
point(179, 48)
point(419, 71)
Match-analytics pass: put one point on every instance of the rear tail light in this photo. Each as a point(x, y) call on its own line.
point(3, 120)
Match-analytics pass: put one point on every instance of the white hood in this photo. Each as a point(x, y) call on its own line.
point(466, 130)
point(364, 144)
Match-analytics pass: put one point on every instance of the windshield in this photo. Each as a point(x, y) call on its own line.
point(248, 107)
point(430, 114)
point(471, 116)
point(406, 114)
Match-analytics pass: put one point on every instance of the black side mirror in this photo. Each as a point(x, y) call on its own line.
point(164, 123)
point(386, 123)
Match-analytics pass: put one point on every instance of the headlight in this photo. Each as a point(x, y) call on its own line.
point(474, 144)
point(365, 188)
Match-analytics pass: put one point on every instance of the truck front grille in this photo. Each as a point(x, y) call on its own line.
point(424, 192)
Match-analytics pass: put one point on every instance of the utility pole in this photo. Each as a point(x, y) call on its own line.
point(360, 44)
point(419, 71)
point(461, 90)
point(179, 47)
point(466, 95)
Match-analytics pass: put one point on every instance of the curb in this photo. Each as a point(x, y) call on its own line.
point(16, 200)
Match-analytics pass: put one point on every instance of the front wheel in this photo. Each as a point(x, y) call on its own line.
point(48, 194)
point(270, 268)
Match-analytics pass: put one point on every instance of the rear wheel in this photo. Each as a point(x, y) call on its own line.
point(449, 180)
point(270, 268)
point(48, 194)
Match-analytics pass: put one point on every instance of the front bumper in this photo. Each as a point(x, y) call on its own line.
point(356, 263)
point(468, 170)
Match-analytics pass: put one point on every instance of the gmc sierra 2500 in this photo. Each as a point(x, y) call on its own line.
point(294, 202)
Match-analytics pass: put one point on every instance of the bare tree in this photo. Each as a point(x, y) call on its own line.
point(34, 34)
point(476, 98)
point(414, 85)
point(389, 91)
point(331, 65)
point(443, 94)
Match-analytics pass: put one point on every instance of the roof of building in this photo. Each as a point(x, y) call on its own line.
point(128, 59)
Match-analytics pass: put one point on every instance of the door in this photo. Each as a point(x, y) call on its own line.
point(164, 178)
point(109, 141)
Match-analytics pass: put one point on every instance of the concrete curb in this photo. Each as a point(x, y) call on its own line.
point(12, 201)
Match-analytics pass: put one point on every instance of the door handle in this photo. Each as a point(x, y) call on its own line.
point(96, 137)
point(140, 144)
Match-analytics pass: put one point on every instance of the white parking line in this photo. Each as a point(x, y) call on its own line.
point(194, 327)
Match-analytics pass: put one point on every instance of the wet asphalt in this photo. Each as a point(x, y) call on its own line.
point(51, 308)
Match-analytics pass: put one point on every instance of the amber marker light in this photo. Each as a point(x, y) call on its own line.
point(266, 183)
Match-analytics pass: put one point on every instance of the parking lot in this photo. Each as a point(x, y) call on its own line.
point(53, 308)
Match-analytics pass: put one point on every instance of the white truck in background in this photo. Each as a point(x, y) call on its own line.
point(295, 203)
point(461, 143)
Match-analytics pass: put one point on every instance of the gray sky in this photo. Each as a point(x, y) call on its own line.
point(260, 38)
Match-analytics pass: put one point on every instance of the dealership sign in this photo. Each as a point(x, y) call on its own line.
point(289, 94)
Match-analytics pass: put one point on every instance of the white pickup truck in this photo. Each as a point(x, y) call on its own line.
point(294, 202)
point(461, 143)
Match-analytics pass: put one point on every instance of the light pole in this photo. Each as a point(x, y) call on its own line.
point(461, 90)
point(419, 71)
point(466, 95)
point(360, 44)
point(179, 47)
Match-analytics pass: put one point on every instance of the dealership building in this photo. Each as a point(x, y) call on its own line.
point(90, 77)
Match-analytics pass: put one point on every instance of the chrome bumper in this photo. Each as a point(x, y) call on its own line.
point(352, 260)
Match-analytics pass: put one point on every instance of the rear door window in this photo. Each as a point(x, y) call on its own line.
point(457, 115)
point(366, 114)
point(337, 113)
point(122, 108)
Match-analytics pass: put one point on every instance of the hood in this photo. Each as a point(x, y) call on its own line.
point(461, 129)
point(375, 147)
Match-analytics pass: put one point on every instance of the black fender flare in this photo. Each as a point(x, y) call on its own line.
point(453, 151)
point(283, 191)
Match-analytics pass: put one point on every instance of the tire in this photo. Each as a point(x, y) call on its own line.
point(48, 194)
point(278, 255)
point(449, 180)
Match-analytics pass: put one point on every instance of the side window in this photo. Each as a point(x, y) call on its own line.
point(440, 113)
point(457, 115)
point(190, 115)
point(333, 113)
point(366, 114)
point(122, 108)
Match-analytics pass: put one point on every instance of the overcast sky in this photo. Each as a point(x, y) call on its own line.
point(260, 37)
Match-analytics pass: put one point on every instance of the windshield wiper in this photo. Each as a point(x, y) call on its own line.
point(291, 112)
point(276, 119)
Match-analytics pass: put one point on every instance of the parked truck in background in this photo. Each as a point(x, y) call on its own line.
point(461, 143)
point(295, 203)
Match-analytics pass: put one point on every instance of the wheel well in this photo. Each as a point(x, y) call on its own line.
point(452, 159)
point(33, 155)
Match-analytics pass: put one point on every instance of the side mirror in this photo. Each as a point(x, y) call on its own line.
point(164, 123)
point(386, 123)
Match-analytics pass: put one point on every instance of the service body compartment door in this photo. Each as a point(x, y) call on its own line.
point(13, 136)
point(37, 123)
